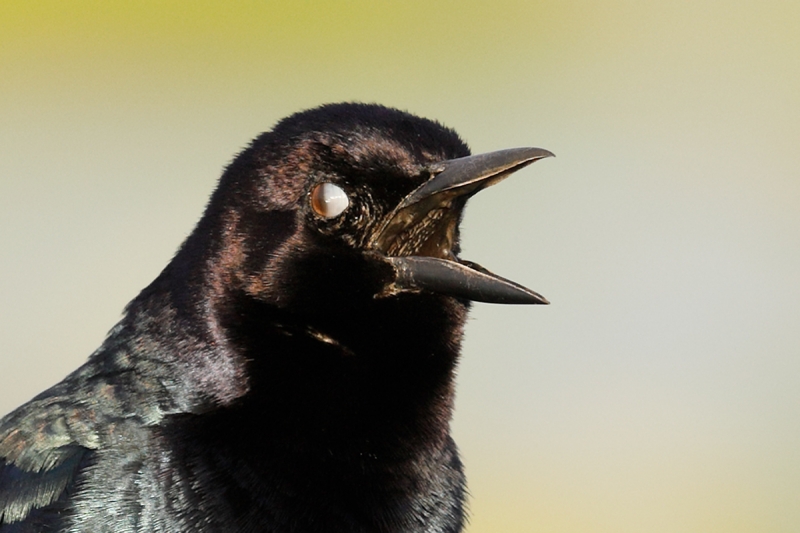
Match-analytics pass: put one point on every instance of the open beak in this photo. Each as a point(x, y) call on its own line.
point(417, 238)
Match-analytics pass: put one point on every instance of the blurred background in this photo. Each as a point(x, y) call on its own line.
point(660, 392)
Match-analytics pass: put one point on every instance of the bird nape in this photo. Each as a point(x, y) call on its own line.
point(291, 369)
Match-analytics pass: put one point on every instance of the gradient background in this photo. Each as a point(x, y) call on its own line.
point(660, 392)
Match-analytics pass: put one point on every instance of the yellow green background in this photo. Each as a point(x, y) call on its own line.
point(660, 392)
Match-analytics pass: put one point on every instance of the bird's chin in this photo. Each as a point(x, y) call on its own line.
point(418, 237)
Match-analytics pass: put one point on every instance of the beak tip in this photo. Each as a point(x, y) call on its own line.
point(535, 298)
point(540, 153)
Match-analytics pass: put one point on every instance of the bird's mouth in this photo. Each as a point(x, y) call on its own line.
point(418, 236)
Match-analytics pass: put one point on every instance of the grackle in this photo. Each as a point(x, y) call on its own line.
point(291, 369)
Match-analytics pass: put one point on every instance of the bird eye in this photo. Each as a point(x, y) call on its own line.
point(328, 200)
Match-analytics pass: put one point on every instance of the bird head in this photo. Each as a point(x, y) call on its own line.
point(355, 201)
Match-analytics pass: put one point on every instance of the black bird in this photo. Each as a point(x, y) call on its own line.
point(291, 369)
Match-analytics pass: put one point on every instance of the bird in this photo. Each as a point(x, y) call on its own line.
point(292, 368)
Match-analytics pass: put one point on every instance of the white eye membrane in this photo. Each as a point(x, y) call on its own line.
point(329, 200)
